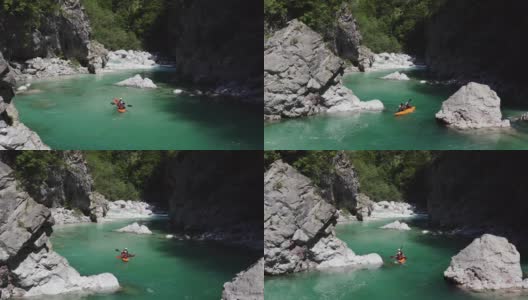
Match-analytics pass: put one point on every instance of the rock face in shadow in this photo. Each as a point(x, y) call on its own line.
point(488, 263)
point(299, 226)
point(479, 190)
point(302, 77)
point(474, 106)
point(213, 195)
point(28, 265)
point(247, 285)
point(466, 36)
point(219, 43)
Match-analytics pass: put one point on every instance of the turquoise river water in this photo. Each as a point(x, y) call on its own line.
point(76, 113)
point(162, 269)
point(420, 278)
point(384, 131)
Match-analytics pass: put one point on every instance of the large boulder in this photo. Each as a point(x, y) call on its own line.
point(247, 285)
point(302, 76)
point(135, 228)
point(397, 76)
point(473, 106)
point(299, 226)
point(97, 57)
point(28, 265)
point(488, 263)
point(396, 225)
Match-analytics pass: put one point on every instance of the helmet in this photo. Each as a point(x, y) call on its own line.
point(120, 98)
point(126, 249)
point(398, 249)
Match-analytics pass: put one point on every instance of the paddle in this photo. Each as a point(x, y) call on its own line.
point(129, 105)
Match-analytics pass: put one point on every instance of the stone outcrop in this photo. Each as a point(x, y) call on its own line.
point(465, 36)
point(138, 82)
point(396, 225)
point(302, 76)
point(135, 228)
point(348, 40)
point(299, 227)
point(39, 68)
point(247, 285)
point(13, 134)
point(213, 195)
point(63, 216)
point(64, 32)
point(28, 265)
point(341, 187)
point(474, 106)
point(396, 76)
point(488, 263)
point(98, 57)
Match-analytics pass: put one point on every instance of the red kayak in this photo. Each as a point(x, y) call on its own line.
point(121, 110)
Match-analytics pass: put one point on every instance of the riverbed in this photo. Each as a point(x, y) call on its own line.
point(384, 131)
point(162, 268)
point(76, 112)
point(420, 278)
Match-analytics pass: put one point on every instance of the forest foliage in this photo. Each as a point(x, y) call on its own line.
point(128, 24)
point(383, 175)
point(386, 25)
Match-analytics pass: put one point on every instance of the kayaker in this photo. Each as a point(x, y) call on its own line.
point(408, 104)
point(402, 107)
point(124, 253)
point(121, 104)
point(399, 255)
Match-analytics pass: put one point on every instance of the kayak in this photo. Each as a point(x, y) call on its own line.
point(406, 112)
point(124, 259)
point(401, 261)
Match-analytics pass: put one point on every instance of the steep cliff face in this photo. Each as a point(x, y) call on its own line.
point(62, 32)
point(299, 226)
point(218, 42)
point(479, 190)
point(481, 41)
point(28, 265)
point(214, 194)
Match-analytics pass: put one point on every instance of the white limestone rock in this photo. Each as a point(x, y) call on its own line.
point(138, 82)
point(135, 228)
point(488, 263)
point(473, 106)
point(397, 76)
point(129, 60)
point(397, 225)
point(384, 61)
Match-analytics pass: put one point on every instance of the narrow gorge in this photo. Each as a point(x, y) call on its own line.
point(57, 226)
point(44, 44)
point(327, 212)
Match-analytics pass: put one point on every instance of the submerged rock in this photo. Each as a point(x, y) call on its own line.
point(299, 226)
point(397, 225)
point(138, 82)
point(396, 76)
point(474, 106)
point(302, 76)
point(247, 285)
point(135, 228)
point(488, 263)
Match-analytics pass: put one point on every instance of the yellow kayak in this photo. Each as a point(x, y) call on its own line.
point(406, 112)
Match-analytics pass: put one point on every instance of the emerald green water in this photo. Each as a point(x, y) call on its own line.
point(76, 113)
point(383, 131)
point(420, 278)
point(162, 269)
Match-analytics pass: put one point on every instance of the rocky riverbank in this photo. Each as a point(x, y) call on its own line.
point(248, 284)
point(28, 264)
